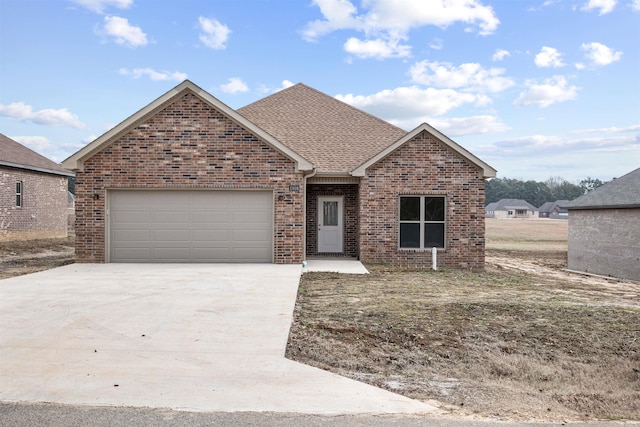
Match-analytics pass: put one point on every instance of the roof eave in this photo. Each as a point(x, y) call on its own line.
point(76, 161)
point(487, 171)
point(35, 168)
point(596, 207)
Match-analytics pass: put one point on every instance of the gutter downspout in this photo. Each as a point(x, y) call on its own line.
point(313, 172)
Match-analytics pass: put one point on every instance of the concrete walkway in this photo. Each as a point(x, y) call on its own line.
point(182, 336)
point(335, 265)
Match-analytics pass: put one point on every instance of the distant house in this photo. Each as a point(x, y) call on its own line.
point(604, 229)
point(511, 208)
point(33, 194)
point(554, 210)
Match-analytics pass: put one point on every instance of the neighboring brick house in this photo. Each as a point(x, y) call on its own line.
point(554, 210)
point(33, 194)
point(511, 208)
point(604, 229)
point(296, 174)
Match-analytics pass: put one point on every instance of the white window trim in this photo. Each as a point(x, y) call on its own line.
point(422, 222)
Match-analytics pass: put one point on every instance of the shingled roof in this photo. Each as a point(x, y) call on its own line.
point(507, 204)
point(16, 155)
point(623, 192)
point(334, 136)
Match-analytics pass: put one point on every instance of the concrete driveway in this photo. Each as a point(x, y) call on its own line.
point(198, 337)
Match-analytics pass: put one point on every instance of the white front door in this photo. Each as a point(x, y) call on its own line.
point(330, 220)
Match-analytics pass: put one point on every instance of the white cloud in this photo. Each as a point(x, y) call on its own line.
point(457, 126)
point(547, 144)
point(500, 54)
point(438, 44)
point(387, 21)
point(213, 34)
point(71, 147)
point(604, 6)
point(376, 48)
point(235, 85)
point(98, 6)
point(154, 75)
point(338, 14)
point(635, 5)
point(39, 144)
point(124, 33)
point(549, 57)
point(600, 54)
point(551, 91)
point(403, 103)
point(633, 128)
point(469, 76)
point(263, 88)
point(48, 116)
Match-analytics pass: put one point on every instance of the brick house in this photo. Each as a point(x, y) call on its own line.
point(604, 229)
point(33, 194)
point(294, 175)
point(511, 208)
point(554, 210)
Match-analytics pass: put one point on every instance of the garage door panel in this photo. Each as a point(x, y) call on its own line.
point(132, 235)
point(128, 200)
point(216, 254)
point(132, 217)
point(212, 236)
point(212, 216)
point(190, 226)
point(171, 254)
point(250, 235)
point(171, 237)
point(247, 254)
point(172, 217)
point(248, 217)
point(135, 254)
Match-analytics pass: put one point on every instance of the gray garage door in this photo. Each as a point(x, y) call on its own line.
point(190, 226)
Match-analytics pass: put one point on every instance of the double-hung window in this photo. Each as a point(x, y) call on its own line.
point(19, 194)
point(422, 222)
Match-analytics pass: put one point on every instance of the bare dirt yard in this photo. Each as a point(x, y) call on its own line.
point(524, 340)
point(28, 256)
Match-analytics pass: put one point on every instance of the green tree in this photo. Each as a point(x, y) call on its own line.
point(534, 192)
point(590, 184)
point(566, 191)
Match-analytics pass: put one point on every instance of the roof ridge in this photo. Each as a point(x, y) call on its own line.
point(333, 98)
point(355, 108)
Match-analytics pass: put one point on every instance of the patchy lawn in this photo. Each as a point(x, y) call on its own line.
point(523, 340)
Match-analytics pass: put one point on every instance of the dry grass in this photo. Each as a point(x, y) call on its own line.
point(529, 235)
point(524, 340)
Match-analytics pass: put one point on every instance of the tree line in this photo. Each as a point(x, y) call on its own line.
point(538, 193)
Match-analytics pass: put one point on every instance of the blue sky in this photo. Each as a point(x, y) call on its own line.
point(535, 88)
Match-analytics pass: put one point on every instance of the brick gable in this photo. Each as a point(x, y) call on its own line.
point(188, 145)
point(423, 166)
